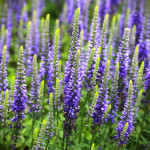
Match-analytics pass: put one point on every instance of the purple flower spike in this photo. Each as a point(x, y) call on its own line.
point(127, 116)
point(20, 97)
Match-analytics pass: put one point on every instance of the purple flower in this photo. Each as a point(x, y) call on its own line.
point(114, 94)
point(127, 116)
point(103, 46)
point(9, 30)
point(72, 94)
point(104, 8)
point(35, 34)
point(34, 87)
point(50, 124)
point(3, 71)
point(123, 59)
point(20, 97)
point(44, 65)
point(136, 18)
point(102, 103)
point(54, 63)
point(28, 49)
point(143, 45)
point(71, 9)
point(74, 46)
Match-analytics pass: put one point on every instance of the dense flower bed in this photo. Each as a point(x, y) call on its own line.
point(82, 83)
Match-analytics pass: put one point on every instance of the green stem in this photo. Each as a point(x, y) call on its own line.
point(57, 115)
point(33, 122)
point(54, 144)
point(47, 144)
point(81, 129)
point(93, 135)
point(16, 133)
point(139, 134)
point(67, 140)
point(63, 140)
point(104, 135)
point(25, 140)
point(82, 109)
point(141, 128)
point(4, 133)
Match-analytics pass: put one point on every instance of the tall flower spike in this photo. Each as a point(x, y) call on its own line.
point(41, 33)
point(134, 67)
point(56, 52)
point(95, 72)
point(2, 39)
point(103, 49)
point(35, 139)
point(35, 34)
point(137, 103)
point(93, 103)
point(40, 140)
point(53, 71)
point(57, 94)
point(111, 36)
point(90, 70)
point(138, 82)
point(1, 105)
point(94, 30)
point(5, 105)
point(114, 94)
point(34, 104)
point(74, 46)
point(133, 37)
point(20, 97)
point(3, 71)
point(41, 94)
point(104, 36)
point(102, 104)
point(127, 116)
point(123, 59)
point(72, 96)
point(44, 65)
point(28, 49)
point(50, 123)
